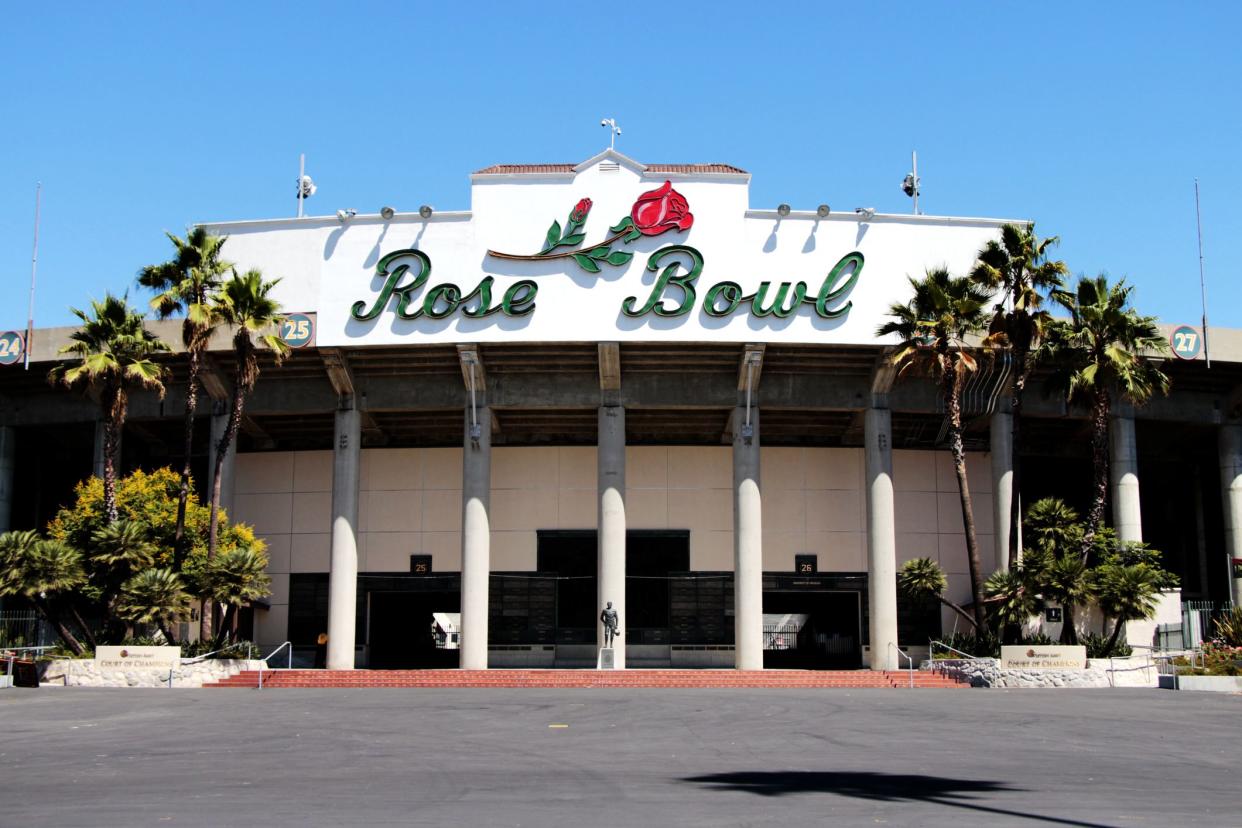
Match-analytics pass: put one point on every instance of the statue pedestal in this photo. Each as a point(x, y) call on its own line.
point(607, 660)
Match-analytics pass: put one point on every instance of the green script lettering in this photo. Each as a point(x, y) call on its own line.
point(668, 277)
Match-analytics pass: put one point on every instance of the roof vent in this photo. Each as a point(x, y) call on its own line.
point(609, 166)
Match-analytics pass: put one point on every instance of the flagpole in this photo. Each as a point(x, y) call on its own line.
point(34, 270)
point(1202, 285)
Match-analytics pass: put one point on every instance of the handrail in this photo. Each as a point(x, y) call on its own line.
point(198, 658)
point(908, 660)
point(933, 644)
point(263, 661)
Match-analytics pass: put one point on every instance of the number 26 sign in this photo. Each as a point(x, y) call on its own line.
point(298, 330)
point(1186, 342)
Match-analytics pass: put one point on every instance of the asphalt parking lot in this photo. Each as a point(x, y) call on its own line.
point(103, 757)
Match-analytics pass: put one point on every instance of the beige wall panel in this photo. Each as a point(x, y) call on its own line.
point(711, 551)
point(280, 589)
point(277, 552)
point(784, 510)
point(576, 467)
point(709, 509)
point(914, 471)
point(391, 469)
point(958, 592)
point(779, 550)
point(834, 468)
point(269, 514)
point(838, 551)
point(391, 511)
point(646, 467)
point(514, 551)
point(575, 509)
point(700, 467)
point(311, 553)
point(978, 471)
point(390, 551)
point(646, 509)
point(267, 471)
point(952, 552)
point(442, 468)
point(911, 545)
point(782, 468)
point(444, 549)
point(520, 509)
point(834, 510)
point(312, 471)
point(916, 511)
point(949, 511)
point(271, 627)
point(312, 512)
point(525, 467)
point(442, 510)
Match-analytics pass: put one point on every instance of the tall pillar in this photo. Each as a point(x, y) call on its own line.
point(1230, 445)
point(1001, 429)
point(611, 562)
point(747, 543)
point(343, 578)
point(219, 422)
point(476, 488)
point(8, 463)
point(1123, 476)
point(881, 539)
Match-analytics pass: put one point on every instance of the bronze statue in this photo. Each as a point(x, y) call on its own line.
point(612, 624)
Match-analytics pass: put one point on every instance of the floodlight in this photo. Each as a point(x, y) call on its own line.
point(425, 211)
point(345, 215)
point(386, 213)
point(865, 213)
point(822, 211)
point(782, 210)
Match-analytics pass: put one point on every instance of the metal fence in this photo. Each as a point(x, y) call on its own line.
point(24, 628)
point(1199, 621)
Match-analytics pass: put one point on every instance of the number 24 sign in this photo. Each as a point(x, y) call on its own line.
point(298, 330)
point(1186, 342)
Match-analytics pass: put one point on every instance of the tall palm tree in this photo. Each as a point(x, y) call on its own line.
point(1101, 354)
point(922, 579)
point(1018, 268)
point(44, 572)
point(185, 284)
point(933, 327)
point(114, 349)
point(243, 304)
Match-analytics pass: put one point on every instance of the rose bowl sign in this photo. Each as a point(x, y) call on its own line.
point(1043, 657)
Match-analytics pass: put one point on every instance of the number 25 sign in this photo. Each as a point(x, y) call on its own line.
point(298, 330)
point(1186, 342)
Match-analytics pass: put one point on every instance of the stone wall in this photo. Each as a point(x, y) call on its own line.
point(86, 673)
point(987, 672)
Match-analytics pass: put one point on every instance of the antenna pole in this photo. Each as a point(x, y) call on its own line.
point(914, 162)
point(301, 175)
point(34, 269)
point(1202, 285)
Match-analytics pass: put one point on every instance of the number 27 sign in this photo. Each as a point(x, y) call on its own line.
point(1186, 342)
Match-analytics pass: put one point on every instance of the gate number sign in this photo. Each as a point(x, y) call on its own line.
point(11, 343)
point(1186, 342)
point(298, 330)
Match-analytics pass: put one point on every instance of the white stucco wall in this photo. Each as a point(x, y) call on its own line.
point(410, 502)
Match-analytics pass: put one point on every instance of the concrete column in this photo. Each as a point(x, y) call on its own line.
point(611, 536)
point(1123, 477)
point(747, 544)
point(219, 422)
point(1230, 443)
point(1001, 429)
point(343, 579)
point(881, 538)
point(8, 463)
point(476, 491)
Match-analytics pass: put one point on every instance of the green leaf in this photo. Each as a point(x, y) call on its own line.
point(554, 235)
point(600, 253)
point(631, 236)
point(621, 225)
point(619, 257)
point(586, 263)
point(570, 241)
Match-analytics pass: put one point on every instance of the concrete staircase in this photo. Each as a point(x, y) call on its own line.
point(778, 679)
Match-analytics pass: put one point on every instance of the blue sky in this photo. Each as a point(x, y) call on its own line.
point(1093, 119)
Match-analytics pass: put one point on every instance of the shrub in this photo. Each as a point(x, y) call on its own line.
point(1097, 647)
point(1229, 628)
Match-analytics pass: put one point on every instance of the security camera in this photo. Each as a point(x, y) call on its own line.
point(345, 215)
point(603, 122)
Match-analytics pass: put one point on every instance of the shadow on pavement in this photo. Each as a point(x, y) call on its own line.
point(886, 787)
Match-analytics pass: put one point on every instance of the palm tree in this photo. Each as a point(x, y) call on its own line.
point(1018, 267)
point(933, 327)
point(1125, 593)
point(245, 305)
point(185, 284)
point(155, 596)
point(235, 578)
point(1011, 601)
point(114, 348)
point(1052, 563)
point(117, 552)
point(1101, 353)
point(922, 578)
point(43, 572)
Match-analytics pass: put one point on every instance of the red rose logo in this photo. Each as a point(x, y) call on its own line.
point(661, 210)
point(579, 213)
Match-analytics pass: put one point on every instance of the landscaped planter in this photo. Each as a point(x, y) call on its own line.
point(82, 672)
point(1211, 684)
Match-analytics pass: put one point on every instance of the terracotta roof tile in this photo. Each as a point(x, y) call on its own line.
point(537, 169)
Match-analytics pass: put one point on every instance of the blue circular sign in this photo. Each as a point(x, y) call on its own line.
point(12, 346)
point(1186, 342)
point(298, 330)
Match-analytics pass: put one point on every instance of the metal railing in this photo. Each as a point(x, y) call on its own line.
point(263, 661)
point(909, 660)
point(934, 644)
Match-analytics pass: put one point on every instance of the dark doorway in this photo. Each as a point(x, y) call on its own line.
point(812, 629)
point(399, 629)
point(570, 558)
